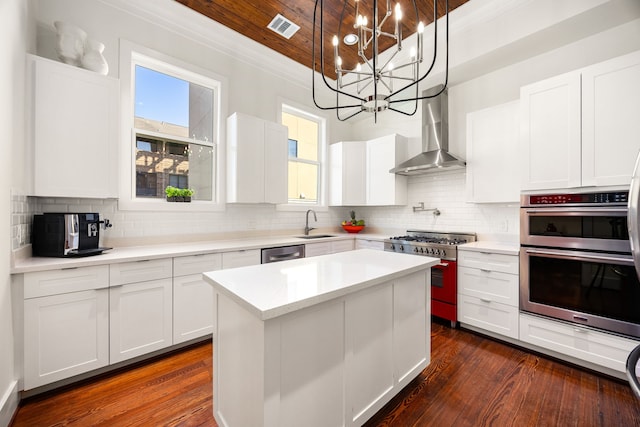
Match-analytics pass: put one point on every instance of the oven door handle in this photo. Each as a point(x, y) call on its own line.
point(582, 256)
point(442, 265)
point(596, 211)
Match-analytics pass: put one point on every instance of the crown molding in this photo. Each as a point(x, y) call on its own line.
point(190, 24)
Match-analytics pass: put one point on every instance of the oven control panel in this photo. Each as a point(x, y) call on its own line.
point(601, 198)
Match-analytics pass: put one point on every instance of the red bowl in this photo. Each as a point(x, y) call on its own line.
point(353, 228)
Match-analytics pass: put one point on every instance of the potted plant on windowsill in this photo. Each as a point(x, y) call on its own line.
point(186, 194)
point(171, 193)
point(175, 194)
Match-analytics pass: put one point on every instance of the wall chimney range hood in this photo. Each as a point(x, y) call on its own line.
point(435, 139)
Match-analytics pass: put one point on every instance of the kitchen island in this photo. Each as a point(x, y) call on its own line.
point(321, 341)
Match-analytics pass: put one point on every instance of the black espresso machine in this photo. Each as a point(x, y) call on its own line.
point(67, 234)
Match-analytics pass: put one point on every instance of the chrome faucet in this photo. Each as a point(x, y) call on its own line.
point(307, 229)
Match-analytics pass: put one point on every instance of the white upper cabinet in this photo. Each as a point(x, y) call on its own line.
point(610, 120)
point(348, 181)
point(384, 187)
point(550, 133)
point(580, 129)
point(257, 170)
point(492, 153)
point(74, 130)
point(359, 172)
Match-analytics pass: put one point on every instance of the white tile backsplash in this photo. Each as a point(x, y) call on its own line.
point(445, 191)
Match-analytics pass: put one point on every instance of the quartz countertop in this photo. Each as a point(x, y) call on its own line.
point(271, 290)
point(136, 253)
point(506, 248)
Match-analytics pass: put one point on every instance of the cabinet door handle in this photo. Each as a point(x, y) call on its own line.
point(487, 300)
point(484, 270)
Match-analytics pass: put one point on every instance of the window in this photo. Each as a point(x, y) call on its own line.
point(174, 121)
point(306, 148)
point(174, 128)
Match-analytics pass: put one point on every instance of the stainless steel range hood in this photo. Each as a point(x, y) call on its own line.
point(435, 139)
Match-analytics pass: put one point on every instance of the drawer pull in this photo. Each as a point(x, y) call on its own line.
point(487, 300)
point(580, 331)
point(143, 260)
point(484, 270)
point(69, 268)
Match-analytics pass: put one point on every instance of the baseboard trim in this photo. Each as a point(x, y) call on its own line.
point(9, 404)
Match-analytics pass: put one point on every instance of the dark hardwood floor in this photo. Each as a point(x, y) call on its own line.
point(471, 381)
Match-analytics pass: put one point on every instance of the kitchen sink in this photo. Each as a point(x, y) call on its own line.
point(316, 236)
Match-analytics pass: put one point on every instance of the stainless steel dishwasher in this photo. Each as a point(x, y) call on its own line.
point(282, 253)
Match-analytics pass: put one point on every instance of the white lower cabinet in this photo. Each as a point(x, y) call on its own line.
point(325, 248)
point(341, 246)
point(488, 291)
point(193, 309)
point(241, 258)
point(386, 337)
point(140, 318)
point(331, 364)
point(140, 312)
point(489, 315)
point(600, 348)
point(369, 244)
point(66, 323)
point(65, 335)
point(316, 249)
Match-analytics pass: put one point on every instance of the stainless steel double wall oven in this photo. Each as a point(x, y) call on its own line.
point(575, 260)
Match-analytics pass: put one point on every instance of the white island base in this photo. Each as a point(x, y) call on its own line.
point(322, 341)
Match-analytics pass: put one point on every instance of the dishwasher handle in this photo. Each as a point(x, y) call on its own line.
point(282, 253)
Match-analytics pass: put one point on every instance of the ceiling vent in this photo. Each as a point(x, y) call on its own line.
point(283, 26)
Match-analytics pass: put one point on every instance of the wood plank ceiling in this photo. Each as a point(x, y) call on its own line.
point(251, 19)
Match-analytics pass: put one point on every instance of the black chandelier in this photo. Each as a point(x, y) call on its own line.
point(376, 83)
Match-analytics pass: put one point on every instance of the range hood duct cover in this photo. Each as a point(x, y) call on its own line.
point(435, 156)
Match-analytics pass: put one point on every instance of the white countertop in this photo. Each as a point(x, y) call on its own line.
point(136, 253)
point(506, 248)
point(271, 290)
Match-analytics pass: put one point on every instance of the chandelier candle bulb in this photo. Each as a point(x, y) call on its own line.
point(334, 41)
point(420, 35)
point(398, 15)
point(414, 62)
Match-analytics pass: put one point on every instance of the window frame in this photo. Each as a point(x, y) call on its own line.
point(130, 56)
point(303, 111)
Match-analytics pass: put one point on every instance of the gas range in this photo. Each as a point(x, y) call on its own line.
point(429, 243)
point(443, 275)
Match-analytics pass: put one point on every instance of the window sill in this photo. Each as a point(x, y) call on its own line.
point(301, 208)
point(161, 205)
